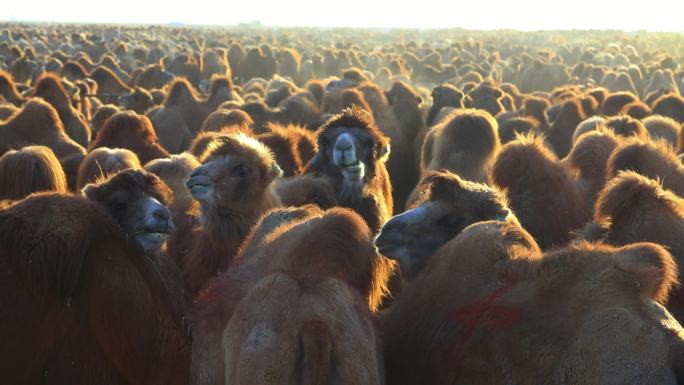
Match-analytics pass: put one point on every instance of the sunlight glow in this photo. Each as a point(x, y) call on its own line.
point(652, 15)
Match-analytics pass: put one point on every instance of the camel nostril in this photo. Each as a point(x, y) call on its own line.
point(161, 213)
point(343, 146)
point(198, 172)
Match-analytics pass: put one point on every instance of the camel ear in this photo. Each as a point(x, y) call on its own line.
point(89, 191)
point(651, 267)
point(441, 183)
point(275, 172)
point(383, 152)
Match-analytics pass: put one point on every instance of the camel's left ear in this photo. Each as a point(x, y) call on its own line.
point(275, 172)
point(89, 191)
point(383, 152)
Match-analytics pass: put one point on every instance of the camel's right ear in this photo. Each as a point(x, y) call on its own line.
point(89, 191)
point(651, 267)
point(275, 172)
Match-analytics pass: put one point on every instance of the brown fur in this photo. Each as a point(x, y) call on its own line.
point(662, 128)
point(181, 97)
point(8, 89)
point(541, 192)
point(50, 88)
point(174, 171)
point(626, 126)
point(103, 306)
point(103, 162)
point(353, 97)
point(173, 133)
point(405, 103)
point(633, 208)
point(654, 160)
point(595, 123)
point(523, 125)
point(304, 189)
point(28, 170)
point(588, 161)
point(37, 123)
point(562, 129)
point(100, 117)
point(220, 119)
point(373, 199)
point(152, 77)
point(202, 141)
point(465, 143)
point(671, 106)
point(221, 222)
point(284, 149)
point(536, 108)
point(590, 307)
point(444, 95)
point(109, 83)
point(445, 205)
point(636, 110)
point(7, 110)
point(133, 132)
point(220, 91)
point(402, 164)
point(615, 102)
point(487, 96)
point(338, 267)
point(138, 100)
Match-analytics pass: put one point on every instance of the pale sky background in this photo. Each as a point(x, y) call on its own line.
point(653, 15)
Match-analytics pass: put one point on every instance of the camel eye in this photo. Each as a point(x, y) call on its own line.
point(117, 206)
point(241, 171)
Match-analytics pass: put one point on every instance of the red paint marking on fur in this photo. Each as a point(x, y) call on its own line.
point(484, 313)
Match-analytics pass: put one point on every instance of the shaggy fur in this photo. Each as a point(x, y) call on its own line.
point(405, 103)
point(306, 189)
point(541, 192)
point(562, 129)
point(633, 208)
point(655, 160)
point(50, 89)
point(402, 164)
point(588, 161)
point(444, 95)
point(465, 143)
point(448, 205)
point(337, 269)
point(589, 308)
point(103, 162)
point(220, 119)
point(626, 126)
point(372, 198)
point(205, 245)
point(671, 106)
point(38, 124)
point(8, 89)
point(133, 132)
point(174, 171)
point(28, 170)
point(662, 128)
point(103, 307)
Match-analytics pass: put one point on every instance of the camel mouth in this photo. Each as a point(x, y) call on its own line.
point(388, 242)
point(152, 235)
point(354, 169)
point(152, 239)
point(198, 188)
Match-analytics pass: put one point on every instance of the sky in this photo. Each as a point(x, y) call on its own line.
point(652, 15)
